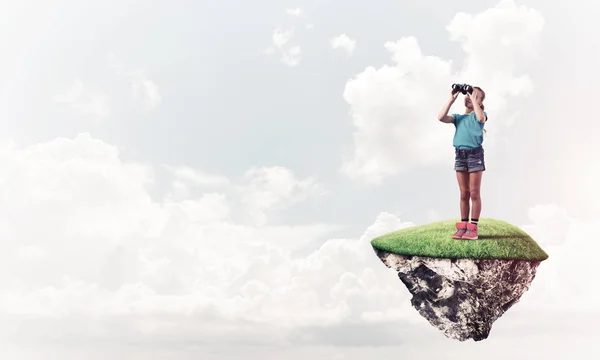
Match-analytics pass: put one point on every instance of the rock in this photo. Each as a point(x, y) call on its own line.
point(462, 297)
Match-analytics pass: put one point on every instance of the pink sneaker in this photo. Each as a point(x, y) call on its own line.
point(461, 228)
point(471, 233)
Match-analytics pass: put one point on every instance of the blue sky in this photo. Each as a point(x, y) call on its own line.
point(226, 158)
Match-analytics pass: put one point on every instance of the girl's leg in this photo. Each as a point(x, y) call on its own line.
point(474, 187)
point(464, 186)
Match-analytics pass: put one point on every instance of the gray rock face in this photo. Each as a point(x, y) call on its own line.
point(462, 297)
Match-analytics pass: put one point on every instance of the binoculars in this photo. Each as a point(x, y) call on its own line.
point(463, 88)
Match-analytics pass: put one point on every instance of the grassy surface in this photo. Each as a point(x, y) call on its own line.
point(497, 240)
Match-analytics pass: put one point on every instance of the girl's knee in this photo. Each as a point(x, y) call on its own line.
point(465, 195)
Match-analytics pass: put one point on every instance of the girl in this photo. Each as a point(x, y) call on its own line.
point(469, 161)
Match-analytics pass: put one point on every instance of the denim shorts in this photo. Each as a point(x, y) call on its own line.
point(469, 159)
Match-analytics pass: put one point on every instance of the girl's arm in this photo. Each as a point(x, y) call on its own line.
point(479, 113)
point(443, 115)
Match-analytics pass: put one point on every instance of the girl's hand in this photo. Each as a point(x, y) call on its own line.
point(453, 95)
point(474, 97)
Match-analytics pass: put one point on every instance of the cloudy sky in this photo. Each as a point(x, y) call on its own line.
point(200, 179)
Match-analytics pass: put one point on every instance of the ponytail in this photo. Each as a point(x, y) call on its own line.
point(482, 106)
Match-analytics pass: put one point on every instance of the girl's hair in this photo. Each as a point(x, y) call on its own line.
point(482, 95)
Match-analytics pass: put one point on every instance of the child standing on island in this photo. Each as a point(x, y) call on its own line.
point(469, 161)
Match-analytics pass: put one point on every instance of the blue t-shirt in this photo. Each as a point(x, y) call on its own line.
point(469, 131)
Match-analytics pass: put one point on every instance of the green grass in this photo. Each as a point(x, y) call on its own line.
point(497, 240)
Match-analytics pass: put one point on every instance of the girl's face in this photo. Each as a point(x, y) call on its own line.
point(468, 103)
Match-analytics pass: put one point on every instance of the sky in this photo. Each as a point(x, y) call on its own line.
point(197, 179)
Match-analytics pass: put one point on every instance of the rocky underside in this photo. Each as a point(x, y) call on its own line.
point(462, 297)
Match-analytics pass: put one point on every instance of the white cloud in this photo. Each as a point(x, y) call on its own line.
point(344, 42)
point(282, 37)
point(269, 50)
point(187, 179)
point(550, 224)
point(115, 64)
point(292, 56)
point(294, 12)
point(563, 280)
point(274, 188)
point(309, 26)
point(199, 177)
point(86, 100)
point(498, 42)
point(394, 108)
point(143, 89)
point(83, 237)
